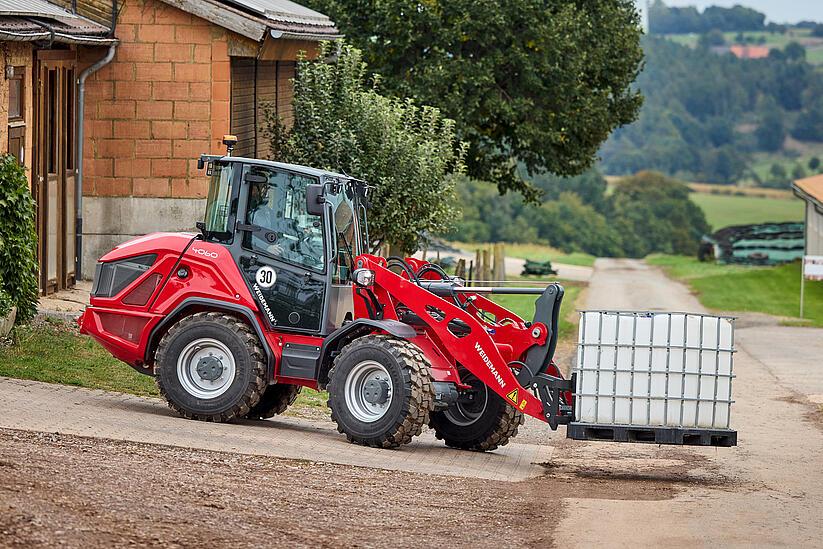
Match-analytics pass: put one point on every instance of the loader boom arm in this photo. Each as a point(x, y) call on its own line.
point(473, 345)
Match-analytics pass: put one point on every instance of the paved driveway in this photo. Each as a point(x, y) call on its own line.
point(34, 406)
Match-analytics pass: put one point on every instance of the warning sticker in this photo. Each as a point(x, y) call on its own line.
point(512, 396)
point(522, 405)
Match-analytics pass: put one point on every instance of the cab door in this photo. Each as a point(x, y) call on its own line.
point(283, 256)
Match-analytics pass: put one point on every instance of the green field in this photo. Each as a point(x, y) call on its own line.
point(771, 290)
point(723, 210)
point(523, 306)
point(534, 252)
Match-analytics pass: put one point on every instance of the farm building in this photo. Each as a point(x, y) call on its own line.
point(811, 191)
point(118, 98)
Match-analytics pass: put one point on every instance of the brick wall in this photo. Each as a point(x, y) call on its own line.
point(162, 101)
point(19, 55)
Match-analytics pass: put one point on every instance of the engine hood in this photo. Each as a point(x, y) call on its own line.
point(151, 243)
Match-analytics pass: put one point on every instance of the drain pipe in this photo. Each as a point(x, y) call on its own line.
point(78, 179)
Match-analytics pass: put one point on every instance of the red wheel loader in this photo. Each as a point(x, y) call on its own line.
point(278, 292)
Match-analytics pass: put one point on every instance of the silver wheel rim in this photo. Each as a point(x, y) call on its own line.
point(355, 391)
point(206, 352)
point(463, 415)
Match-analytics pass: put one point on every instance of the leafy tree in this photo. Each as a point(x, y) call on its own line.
point(18, 239)
point(777, 176)
point(809, 125)
point(670, 20)
point(798, 172)
point(542, 84)
point(711, 39)
point(770, 132)
point(794, 51)
point(406, 152)
point(814, 163)
point(653, 213)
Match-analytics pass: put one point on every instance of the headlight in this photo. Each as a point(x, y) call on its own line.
point(111, 278)
point(363, 277)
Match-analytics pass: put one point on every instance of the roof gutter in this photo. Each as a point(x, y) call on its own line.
point(78, 180)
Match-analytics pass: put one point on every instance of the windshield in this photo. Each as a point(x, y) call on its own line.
point(220, 207)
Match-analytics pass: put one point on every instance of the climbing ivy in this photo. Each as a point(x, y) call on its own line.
point(18, 239)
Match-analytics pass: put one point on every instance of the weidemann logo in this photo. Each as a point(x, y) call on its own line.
point(489, 365)
point(264, 304)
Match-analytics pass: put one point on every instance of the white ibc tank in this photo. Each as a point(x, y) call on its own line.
point(654, 369)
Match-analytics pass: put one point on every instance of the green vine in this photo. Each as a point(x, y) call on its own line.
point(18, 239)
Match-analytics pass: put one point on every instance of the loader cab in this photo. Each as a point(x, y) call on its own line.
point(294, 232)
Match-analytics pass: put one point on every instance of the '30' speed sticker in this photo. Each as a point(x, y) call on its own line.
point(265, 277)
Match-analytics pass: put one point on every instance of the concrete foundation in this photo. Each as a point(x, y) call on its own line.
point(109, 221)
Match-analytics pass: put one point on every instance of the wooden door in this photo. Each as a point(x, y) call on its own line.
point(54, 165)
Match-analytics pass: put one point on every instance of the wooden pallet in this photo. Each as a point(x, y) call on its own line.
point(652, 435)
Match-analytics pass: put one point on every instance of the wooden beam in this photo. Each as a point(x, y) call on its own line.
point(224, 16)
point(288, 50)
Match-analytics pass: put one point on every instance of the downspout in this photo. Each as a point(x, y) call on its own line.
point(78, 180)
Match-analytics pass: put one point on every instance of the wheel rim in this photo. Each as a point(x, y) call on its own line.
point(466, 413)
point(206, 368)
point(368, 391)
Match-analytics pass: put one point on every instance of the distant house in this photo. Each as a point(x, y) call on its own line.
point(174, 77)
point(749, 52)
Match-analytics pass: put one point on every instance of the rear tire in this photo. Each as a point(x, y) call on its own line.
point(275, 400)
point(380, 391)
point(483, 425)
point(210, 367)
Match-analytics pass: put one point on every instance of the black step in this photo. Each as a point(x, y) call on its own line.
point(652, 435)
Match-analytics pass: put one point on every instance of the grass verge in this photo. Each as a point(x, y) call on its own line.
point(53, 351)
point(770, 290)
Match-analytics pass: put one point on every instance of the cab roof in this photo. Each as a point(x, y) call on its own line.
point(281, 165)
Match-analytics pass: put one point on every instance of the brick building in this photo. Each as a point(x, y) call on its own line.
point(171, 78)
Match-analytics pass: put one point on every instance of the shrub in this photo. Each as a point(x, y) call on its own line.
point(405, 151)
point(18, 239)
point(5, 303)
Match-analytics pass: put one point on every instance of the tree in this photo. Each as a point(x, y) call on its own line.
point(817, 30)
point(794, 51)
point(798, 172)
point(653, 213)
point(712, 39)
point(814, 163)
point(770, 132)
point(404, 151)
point(777, 176)
point(537, 83)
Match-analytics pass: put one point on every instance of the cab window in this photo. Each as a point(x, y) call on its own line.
point(281, 226)
point(346, 234)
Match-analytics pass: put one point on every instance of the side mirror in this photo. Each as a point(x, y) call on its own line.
point(314, 199)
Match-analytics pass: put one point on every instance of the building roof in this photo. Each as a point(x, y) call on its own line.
point(749, 52)
point(810, 189)
point(256, 19)
point(38, 20)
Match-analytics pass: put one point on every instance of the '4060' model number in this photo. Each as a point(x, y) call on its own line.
point(204, 253)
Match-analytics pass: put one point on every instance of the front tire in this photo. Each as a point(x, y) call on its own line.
point(482, 424)
point(210, 367)
point(380, 391)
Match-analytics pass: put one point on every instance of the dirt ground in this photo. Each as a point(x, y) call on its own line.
point(68, 491)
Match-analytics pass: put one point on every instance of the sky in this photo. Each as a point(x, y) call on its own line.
point(779, 11)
